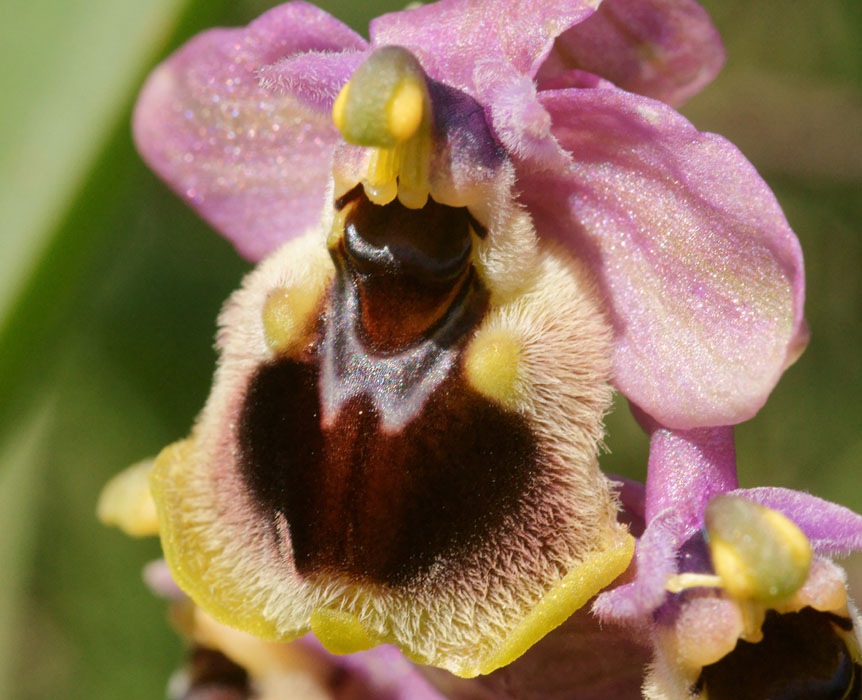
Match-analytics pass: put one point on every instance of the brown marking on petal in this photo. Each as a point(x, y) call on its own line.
point(395, 313)
point(478, 229)
point(801, 657)
point(840, 622)
point(348, 197)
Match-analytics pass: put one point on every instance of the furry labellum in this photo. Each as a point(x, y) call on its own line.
point(400, 444)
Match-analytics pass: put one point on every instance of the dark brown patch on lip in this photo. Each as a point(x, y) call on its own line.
point(430, 245)
point(384, 462)
point(801, 657)
point(377, 507)
point(357, 192)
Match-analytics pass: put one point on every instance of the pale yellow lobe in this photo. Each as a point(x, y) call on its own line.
point(286, 316)
point(492, 364)
point(194, 560)
point(824, 590)
point(256, 656)
point(338, 107)
point(405, 110)
point(705, 631)
point(582, 583)
point(126, 502)
point(277, 670)
point(340, 632)
point(830, 597)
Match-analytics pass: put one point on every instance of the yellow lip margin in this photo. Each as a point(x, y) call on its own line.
point(188, 559)
point(190, 562)
point(558, 604)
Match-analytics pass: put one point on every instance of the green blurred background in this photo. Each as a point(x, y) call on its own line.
point(109, 289)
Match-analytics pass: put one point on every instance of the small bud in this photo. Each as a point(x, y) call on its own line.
point(126, 502)
point(758, 553)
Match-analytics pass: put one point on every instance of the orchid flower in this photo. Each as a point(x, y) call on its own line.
point(734, 588)
point(468, 238)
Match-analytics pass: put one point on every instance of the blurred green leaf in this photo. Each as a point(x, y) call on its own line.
point(22, 462)
point(68, 70)
point(88, 613)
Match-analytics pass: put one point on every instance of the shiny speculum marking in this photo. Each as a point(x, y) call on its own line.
point(801, 657)
point(385, 464)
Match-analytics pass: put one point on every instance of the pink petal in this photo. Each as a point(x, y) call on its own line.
point(314, 77)
point(832, 529)
point(450, 37)
point(254, 164)
point(666, 49)
point(520, 121)
point(686, 468)
point(157, 576)
point(574, 78)
point(702, 275)
point(632, 496)
point(655, 560)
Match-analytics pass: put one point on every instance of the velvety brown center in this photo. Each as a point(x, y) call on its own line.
point(407, 267)
point(380, 459)
point(801, 657)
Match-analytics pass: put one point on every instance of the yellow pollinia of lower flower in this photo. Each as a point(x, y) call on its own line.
point(759, 554)
point(386, 107)
point(761, 561)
